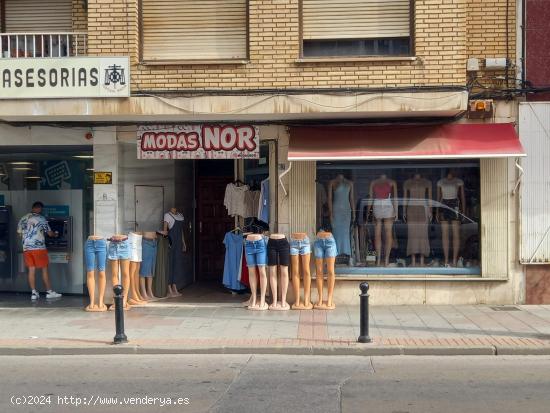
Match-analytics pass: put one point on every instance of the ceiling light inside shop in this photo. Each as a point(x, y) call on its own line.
point(33, 177)
point(84, 156)
point(20, 163)
point(90, 169)
point(22, 169)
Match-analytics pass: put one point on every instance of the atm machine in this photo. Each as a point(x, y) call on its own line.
point(63, 243)
point(6, 250)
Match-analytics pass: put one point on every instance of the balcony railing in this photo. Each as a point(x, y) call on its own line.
point(24, 45)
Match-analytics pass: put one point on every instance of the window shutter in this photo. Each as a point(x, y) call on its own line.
point(194, 30)
point(38, 16)
point(355, 19)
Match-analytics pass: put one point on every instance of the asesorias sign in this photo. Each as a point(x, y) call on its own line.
point(66, 77)
point(211, 141)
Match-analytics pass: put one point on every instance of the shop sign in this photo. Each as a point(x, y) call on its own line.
point(105, 178)
point(211, 141)
point(66, 77)
point(59, 257)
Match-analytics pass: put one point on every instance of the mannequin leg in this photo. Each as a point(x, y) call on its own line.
point(101, 282)
point(306, 259)
point(295, 269)
point(445, 241)
point(331, 281)
point(319, 279)
point(378, 241)
point(456, 241)
point(274, 285)
point(253, 280)
point(149, 286)
point(90, 282)
point(413, 260)
point(421, 260)
point(125, 271)
point(284, 287)
point(263, 287)
point(133, 296)
point(388, 229)
point(139, 295)
point(143, 288)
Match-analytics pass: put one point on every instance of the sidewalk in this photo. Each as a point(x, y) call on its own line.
point(173, 326)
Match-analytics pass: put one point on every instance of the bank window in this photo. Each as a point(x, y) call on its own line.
point(402, 217)
point(193, 30)
point(332, 28)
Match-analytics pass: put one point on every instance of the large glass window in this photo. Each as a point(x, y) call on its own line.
point(401, 217)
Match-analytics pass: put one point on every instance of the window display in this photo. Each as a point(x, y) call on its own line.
point(417, 217)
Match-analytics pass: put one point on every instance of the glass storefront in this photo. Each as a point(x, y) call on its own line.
point(396, 217)
point(62, 179)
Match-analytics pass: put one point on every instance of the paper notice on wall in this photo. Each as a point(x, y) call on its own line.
point(105, 219)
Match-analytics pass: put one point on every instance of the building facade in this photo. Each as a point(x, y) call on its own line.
point(335, 91)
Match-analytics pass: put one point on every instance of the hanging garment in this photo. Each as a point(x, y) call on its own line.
point(176, 268)
point(417, 217)
point(160, 287)
point(234, 246)
point(263, 210)
point(234, 199)
point(341, 218)
point(245, 275)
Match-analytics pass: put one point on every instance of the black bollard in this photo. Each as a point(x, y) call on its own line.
point(364, 314)
point(120, 337)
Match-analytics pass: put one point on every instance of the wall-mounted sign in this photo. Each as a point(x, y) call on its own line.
point(104, 178)
point(64, 77)
point(211, 141)
point(56, 211)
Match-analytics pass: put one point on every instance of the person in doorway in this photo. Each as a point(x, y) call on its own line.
point(32, 228)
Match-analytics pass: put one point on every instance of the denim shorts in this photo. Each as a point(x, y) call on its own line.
point(256, 252)
point(95, 251)
point(300, 246)
point(325, 248)
point(148, 257)
point(119, 250)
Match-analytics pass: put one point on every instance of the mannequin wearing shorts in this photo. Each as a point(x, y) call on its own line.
point(450, 192)
point(325, 255)
point(255, 246)
point(147, 267)
point(278, 260)
point(300, 258)
point(118, 254)
point(383, 203)
point(135, 241)
point(95, 250)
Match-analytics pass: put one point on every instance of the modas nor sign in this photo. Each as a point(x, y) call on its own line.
point(198, 142)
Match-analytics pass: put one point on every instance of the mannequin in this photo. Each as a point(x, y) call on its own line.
point(451, 194)
point(119, 257)
point(135, 240)
point(300, 258)
point(325, 255)
point(383, 203)
point(341, 202)
point(96, 257)
point(278, 260)
point(146, 269)
point(173, 226)
point(256, 257)
point(417, 213)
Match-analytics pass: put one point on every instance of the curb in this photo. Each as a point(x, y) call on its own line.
point(354, 350)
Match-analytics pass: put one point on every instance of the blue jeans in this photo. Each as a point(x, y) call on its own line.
point(325, 248)
point(148, 257)
point(300, 246)
point(256, 253)
point(119, 250)
point(95, 251)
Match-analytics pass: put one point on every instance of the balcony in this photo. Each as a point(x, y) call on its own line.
point(42, 45)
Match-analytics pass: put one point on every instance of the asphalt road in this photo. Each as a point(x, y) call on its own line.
point(289, 384)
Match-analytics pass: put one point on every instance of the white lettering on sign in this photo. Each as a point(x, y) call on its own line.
point(198, 142)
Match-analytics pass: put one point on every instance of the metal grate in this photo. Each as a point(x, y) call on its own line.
point(505, 308)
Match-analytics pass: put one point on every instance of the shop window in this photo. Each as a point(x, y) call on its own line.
point(351, 28)
point(402, 217)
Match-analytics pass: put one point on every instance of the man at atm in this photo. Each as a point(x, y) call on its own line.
point(32, 228)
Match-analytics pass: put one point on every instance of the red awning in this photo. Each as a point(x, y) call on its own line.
point(450, 141)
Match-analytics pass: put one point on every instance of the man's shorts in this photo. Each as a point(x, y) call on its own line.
point(36, 258)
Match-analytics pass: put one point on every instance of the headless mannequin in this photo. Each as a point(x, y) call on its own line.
point(172, 287)
point(455, 224)
point(331, 277)
point(301, 262)
point(124, 267)
point(90, 282)
point(340, 216)
point(426, 194)
point(386, 222)
point(283, 270)
point(253, 273)
point(136, 298)
point(146, 283)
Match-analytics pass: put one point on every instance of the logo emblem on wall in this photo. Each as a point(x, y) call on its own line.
point(115, 78)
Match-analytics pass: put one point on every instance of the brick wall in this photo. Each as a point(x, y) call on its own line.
point(446, 34)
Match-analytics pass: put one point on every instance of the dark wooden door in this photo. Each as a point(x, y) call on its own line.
point(212, 224)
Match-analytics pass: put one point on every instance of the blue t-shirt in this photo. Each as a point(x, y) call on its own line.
point(32, 228)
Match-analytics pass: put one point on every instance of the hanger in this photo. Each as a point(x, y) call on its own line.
point(236, 229)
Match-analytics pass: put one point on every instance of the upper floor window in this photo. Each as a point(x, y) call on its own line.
point(356, 28)
point(194, 30)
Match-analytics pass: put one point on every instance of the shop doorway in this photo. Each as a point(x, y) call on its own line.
point(212, 220)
